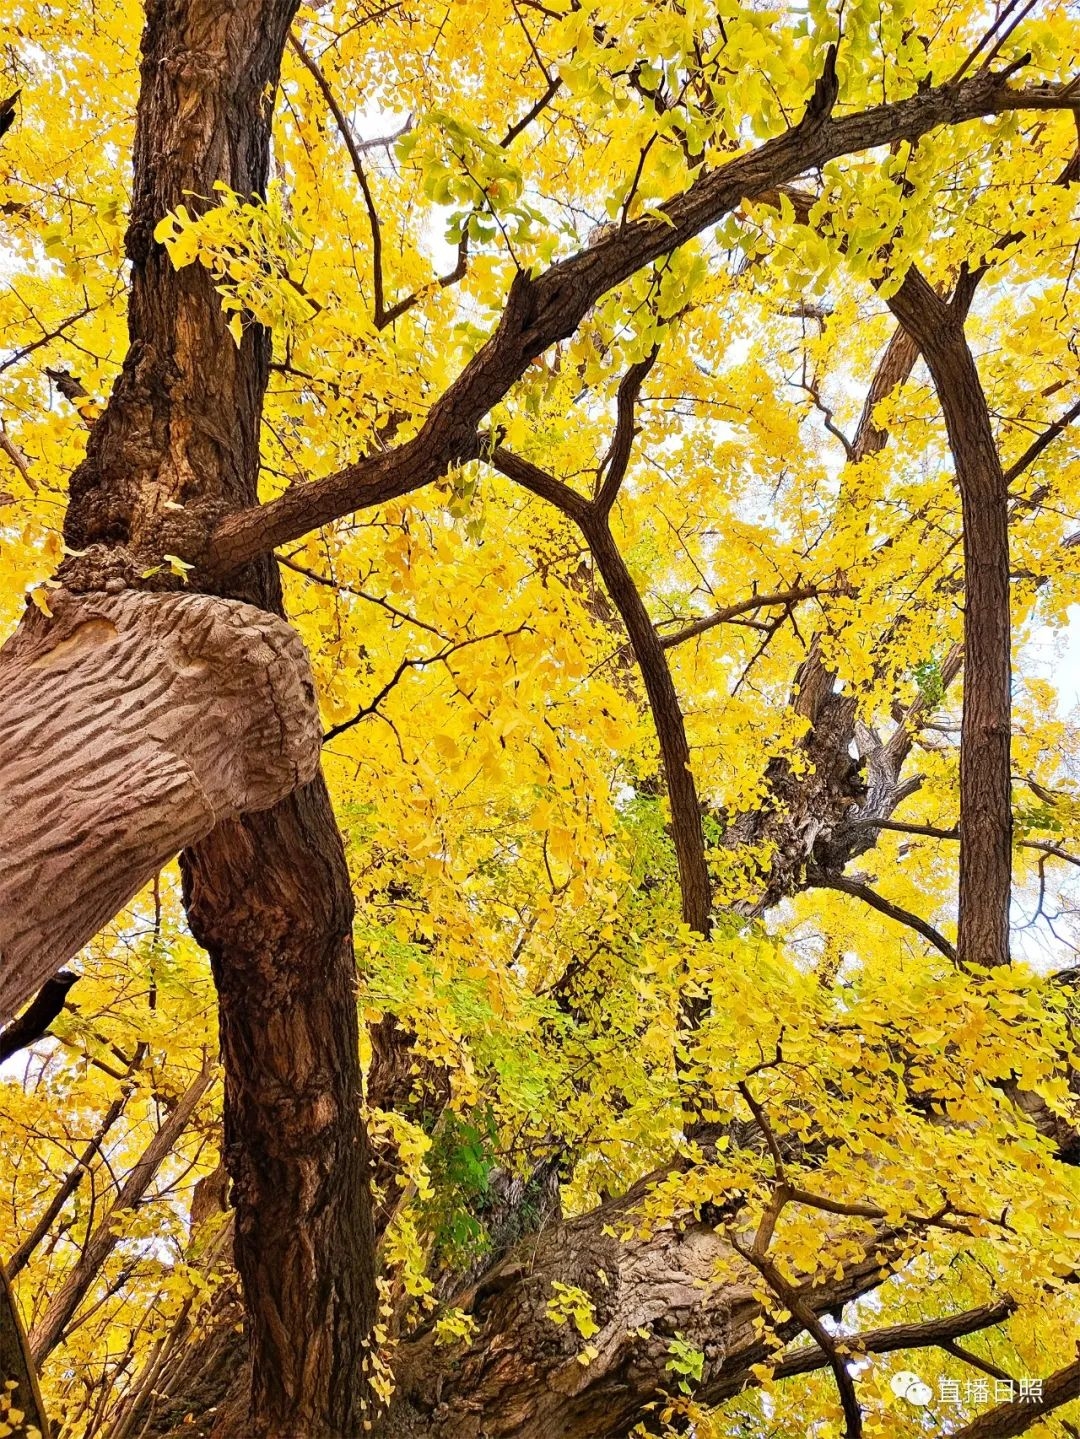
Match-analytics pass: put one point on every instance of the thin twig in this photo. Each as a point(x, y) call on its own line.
point(360, 594)
point(415, 663)
point(43, 339)
point(1035, 449)
point(345, 130)
point(742, 607)
point(531, 114)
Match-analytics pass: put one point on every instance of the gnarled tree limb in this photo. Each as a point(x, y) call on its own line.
point(133, 724)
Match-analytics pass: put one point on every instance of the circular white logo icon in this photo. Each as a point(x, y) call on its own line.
point(906, 1385)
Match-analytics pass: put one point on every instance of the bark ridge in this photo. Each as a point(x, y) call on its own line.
point(133, 724)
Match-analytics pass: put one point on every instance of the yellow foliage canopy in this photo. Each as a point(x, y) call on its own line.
point(493, 761)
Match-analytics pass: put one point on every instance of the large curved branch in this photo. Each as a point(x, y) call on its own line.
point(542, 310)
point(694, 884)
point(1018, 1415)
point(591, 519)
point(819, 879)
point(133, 724)
point(522, 1373)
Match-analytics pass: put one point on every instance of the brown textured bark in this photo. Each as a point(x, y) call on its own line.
point(521, 1377)
point(132, 724)
point(16, 1365)
point(176, 449)
point(985, 774)
point(268, 895)
point(178, 444)
point(893, 369)
point(1017, 1416)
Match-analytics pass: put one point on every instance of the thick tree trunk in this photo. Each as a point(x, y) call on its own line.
point(269, 897)
point(986, 729)
point(178, 445)
point(176, 449)
point(521, 1376)
point(132, 725)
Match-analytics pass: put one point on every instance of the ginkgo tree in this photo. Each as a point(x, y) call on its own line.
point(574, 480)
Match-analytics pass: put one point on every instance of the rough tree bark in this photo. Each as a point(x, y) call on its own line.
point(16, 1364)
point(986, 727)
point(172, 468)
point(177, 449)
point(132, 724)
point(520, 1376)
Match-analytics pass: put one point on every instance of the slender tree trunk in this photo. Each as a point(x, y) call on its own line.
point(49, 1329)
point(986, 727)
point(16, 1365)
